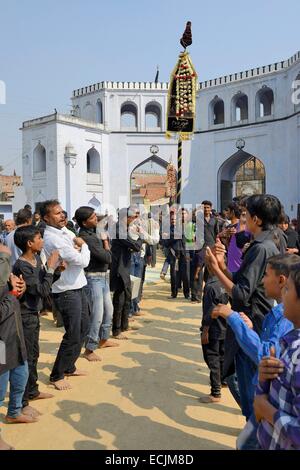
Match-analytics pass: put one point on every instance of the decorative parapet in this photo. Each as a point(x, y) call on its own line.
point(251, 73)
point(119, 86)
point(163, 86)
point(62, 118)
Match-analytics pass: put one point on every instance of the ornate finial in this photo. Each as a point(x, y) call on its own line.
point(186, 39)
point(240, 144)
point(154, 149)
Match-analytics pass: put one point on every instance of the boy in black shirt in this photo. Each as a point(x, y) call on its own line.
point(213, 336)
point(38, 286)
point(245, 287)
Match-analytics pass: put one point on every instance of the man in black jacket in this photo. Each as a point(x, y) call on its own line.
point(179, 256)
point(97, 275)
point(122, 247)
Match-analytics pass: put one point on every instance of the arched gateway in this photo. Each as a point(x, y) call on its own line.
point(242, 174)
point(148, 181)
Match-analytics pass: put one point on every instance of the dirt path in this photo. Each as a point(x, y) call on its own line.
point(143, 395)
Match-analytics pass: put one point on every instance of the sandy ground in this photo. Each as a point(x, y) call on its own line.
point(143, 395)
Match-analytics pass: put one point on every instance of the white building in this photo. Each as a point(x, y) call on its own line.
point(89, 156)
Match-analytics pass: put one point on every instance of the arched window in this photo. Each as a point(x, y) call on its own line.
point(153, 115)
point(296, 92)
point(39, 159)
point(93, 161)
point(217, 111)
point(99, 112)
point(76, 111)
point(240, 107)
point(264, 102)
point(88, 112)
point(129, 115)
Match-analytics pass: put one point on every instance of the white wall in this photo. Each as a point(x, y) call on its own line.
point(40, 186)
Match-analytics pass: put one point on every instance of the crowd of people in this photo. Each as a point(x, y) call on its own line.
point(249, 266)
point(243, 266)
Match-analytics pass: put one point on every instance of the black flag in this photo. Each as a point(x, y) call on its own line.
point(156, 76)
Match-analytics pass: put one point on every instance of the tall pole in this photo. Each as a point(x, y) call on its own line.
point(181, 107)
point(179, 165)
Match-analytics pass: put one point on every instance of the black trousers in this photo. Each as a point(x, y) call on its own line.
point(74, 309)
point(213, 354)
point(196, 285)
point(31, 328)
point(121, 304)
point(180, 275)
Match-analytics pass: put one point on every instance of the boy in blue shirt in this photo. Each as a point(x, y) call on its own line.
point(274, 327)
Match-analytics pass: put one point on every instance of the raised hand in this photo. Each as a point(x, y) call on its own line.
point(18, 284)
point(246, 320)
point(219, 251)
point(78, 241)
point(221, 310)
point(210, 260)
point(14, 281)
point(21, 285)
point(270, 367)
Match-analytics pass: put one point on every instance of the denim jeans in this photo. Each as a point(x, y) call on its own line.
point(137, 267)
point(101, 310)
point(17, 379)
point(233, 386)
point(247, 439)
point(74, 309)
point(245, 371)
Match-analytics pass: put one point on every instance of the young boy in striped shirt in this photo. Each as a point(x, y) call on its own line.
point(277, 402)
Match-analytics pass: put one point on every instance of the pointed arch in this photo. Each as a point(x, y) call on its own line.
point(264, 102)
point(241, 174)
point(153, 115)
point(216, 111)
point(39, 159)
point(129, 115)
point(148, 181)
point(89, 112)
point(239, 106)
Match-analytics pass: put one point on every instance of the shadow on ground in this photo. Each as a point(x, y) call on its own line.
point(130, 432)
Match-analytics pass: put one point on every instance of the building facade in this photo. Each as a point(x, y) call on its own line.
point(246, 140)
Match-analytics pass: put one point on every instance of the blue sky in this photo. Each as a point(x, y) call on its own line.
point(50, 47)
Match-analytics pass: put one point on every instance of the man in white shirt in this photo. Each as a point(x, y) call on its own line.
point(68, 293)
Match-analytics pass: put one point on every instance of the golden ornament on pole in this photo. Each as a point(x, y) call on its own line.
point(181, 107)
